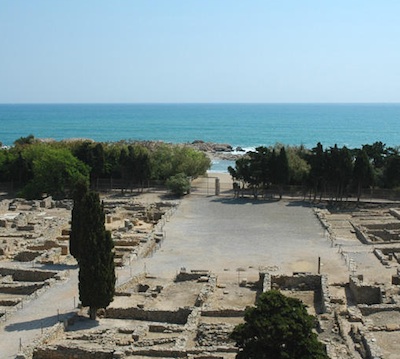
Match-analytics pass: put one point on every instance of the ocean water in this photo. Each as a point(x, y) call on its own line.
point(244, 125)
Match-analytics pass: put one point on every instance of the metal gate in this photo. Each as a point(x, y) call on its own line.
point(212, 185)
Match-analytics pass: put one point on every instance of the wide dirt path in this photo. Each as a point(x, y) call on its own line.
point(27, 324)
point(229, 235)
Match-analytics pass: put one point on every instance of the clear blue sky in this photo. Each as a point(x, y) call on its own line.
point(199, 51)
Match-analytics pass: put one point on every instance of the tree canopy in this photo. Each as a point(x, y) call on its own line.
point(333, 172)
point(277, 327)
point(54, 167)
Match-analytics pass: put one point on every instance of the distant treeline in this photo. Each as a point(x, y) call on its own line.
point(334, 172)
point(55, 168)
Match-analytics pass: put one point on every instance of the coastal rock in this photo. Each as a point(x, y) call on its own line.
point(211, 146)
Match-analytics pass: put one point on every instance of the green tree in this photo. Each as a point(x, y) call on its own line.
point(298, 166)
point(317, 175)
point(55, 171)
point(392, 171)
point(278, 327)
point(282, 170)
point(363, 175)
point(78, 219)
point(94, 253)
point(339, 170)
point(28, 140)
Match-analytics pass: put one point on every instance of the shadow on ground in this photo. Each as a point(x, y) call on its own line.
point(38, 323)
point(252, 201)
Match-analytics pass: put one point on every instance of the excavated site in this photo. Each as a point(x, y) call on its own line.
point(354, 293)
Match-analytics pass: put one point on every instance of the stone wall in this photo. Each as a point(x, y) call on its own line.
point(325, 296)
point(23, 275)
point(183, 275)
point(364, 294)
point(298, 281)
point(68, 352)
point(315, 282)
point(178, 316)
point(21, 289)
point(361, 234)
point(377, 308)
point(223, 313)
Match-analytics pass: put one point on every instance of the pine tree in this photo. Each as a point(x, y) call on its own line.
point(362, 173)
point(282, 170)
point(93, 248)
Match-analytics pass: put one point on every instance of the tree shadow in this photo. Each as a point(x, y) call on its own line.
point(243, 201)
point(259, 201)
point(80, 322)
point(56, 267)
point(299, 203)
point(38, 323)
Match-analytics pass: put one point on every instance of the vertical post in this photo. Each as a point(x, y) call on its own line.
point(20, 344)
point(217, 186)
point(319, 265)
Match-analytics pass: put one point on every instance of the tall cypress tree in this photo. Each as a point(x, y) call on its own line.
point(93, 248)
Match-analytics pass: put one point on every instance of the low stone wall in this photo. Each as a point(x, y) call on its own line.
point(192, 275)
point(315, 282)
point(21, 289)
point(377, 308)
point(206, 291)
point(394, 212)
point(364, 294)
point(361, 235)
point(178, 316)
point(68, 352)
point(52, 333)
point(379, 254)
point(223, 313)
point(298, 281)
point(24, 275)
point(325, 296)
point(194, 353)
point(27, 256)
point(133, 282)
point(372, 349)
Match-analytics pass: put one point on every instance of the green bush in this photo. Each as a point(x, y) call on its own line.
point(179, 184)
point(278, 327)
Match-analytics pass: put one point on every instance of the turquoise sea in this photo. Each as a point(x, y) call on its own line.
point(244, 125)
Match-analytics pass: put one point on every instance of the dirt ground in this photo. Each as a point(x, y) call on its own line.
point(235, 238)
